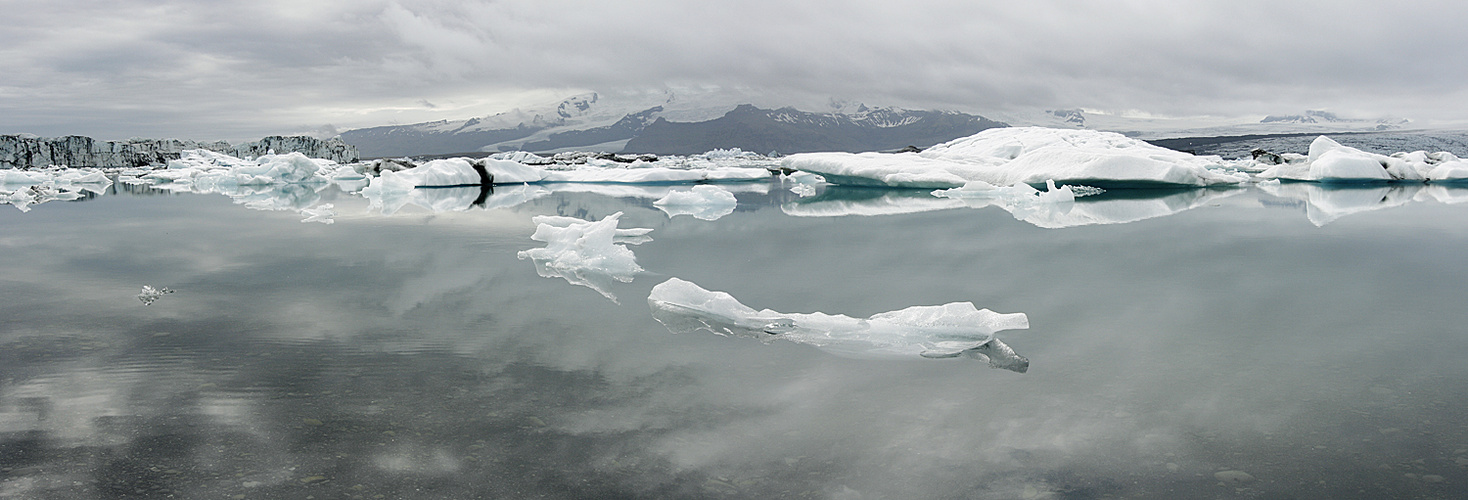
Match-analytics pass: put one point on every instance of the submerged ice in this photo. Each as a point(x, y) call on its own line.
point(945, 331)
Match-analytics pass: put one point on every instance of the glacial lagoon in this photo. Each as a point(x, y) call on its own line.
point(1277, 340)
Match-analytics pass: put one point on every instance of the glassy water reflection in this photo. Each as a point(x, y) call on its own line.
point(1269, 342)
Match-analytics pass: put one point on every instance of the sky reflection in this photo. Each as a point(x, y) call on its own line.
point(415, 355)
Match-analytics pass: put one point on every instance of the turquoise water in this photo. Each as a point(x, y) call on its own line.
point(1265, 342)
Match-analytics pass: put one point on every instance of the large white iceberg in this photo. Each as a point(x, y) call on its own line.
point(589, 254)
point(1029, 155)
point(1330, 161)
point(946, 331)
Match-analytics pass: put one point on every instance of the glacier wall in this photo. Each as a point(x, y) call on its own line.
point(24, 151)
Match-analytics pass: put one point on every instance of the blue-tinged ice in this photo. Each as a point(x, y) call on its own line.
point(1029, 155)
point(704, 201)
point(589, 254)
point(950, 330)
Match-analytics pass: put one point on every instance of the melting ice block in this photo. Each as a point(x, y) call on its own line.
point(589, 254)
point(946, 331)
point(1029, 155)
point(703, 201)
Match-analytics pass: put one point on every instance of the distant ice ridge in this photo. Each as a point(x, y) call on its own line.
point(1329, 161)
point(947, 331)
point(589, 254)
point(704, 201)
point(1028, 155)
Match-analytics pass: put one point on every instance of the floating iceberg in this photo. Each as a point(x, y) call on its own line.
point(23, 188)
point(589, 254)
point(1329, 161)
point(208, 168)
point(473, 172)
point(946, 331)
point(704, 201)
point(1028, 155)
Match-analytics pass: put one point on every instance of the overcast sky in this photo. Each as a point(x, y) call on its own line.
point(243, 69)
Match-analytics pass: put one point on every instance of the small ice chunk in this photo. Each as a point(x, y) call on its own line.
point(704, 201)
point(589, 254)
point(949, 330)
point(150, 294)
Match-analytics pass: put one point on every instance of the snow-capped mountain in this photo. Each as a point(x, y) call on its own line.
point(788, 130)
point(671, 123)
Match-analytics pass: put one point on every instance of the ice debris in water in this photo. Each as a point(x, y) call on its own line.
point(149, 295)
point(589, 254)
point(1029, 155)
point(323, 213)
point(704, 201)
point(947, 331)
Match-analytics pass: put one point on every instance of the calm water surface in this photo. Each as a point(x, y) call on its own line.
point(1267, 342)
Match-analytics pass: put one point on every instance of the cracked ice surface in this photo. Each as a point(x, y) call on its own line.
point(946, 331)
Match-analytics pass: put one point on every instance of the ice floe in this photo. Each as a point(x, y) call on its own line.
point(946, 331)
point(589, 254)
point(1329, 161)
point(1029, 155)
point(704, 201)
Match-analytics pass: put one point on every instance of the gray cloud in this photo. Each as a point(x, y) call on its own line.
point(242, 69)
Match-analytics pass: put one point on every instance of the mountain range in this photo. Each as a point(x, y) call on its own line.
point(672, 123)
point(588, 122)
